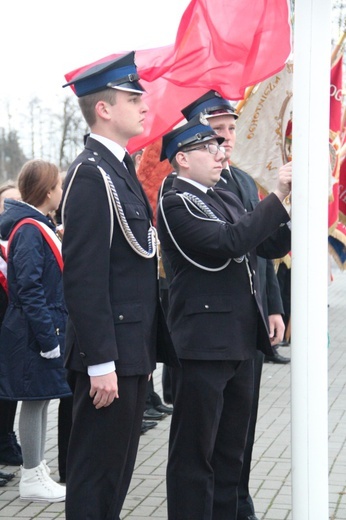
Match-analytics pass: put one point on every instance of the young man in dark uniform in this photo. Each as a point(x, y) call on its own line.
point(215, 317)
point(110, 284)
point(222, 118)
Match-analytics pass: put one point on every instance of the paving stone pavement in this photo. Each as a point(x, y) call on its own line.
point(271, 473)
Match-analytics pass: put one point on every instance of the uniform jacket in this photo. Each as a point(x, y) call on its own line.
point(111, 292)
point(270, 290)
point(35, 319)
point(214, 315)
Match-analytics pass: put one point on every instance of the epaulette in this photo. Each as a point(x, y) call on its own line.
point(91, 158)
point(166, 184)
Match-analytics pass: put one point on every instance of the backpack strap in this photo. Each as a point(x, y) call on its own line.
point(49, 235)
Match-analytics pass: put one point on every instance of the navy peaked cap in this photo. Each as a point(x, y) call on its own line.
point(120, 74)
point(210, 104)
point(195, 131)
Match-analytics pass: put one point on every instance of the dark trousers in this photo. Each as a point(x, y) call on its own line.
point(212, 406)
point(245, 503)
point(153, 399)
point(284, 279)
point(64, 430)
point(102, 449)
point(166, 385)
point(7, 416)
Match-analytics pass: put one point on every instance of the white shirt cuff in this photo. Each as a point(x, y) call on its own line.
point(102, 369)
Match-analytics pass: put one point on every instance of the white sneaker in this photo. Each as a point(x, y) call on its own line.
point(36, 486)
point(46, 467)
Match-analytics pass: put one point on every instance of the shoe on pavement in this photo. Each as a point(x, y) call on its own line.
point(153, 415)
point(147, 425)
point(6, 476)
point(278, 359)
point(36, 486)
point(3, 482)
point(10, 450)
point(284, 343)
point(164, 409)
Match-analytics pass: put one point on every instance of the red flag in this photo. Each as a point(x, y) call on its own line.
point(220, 46)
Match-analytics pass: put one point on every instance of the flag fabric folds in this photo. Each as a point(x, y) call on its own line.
point(220, 45)
point(342, 192)
point(264, 130)
point(335, 140)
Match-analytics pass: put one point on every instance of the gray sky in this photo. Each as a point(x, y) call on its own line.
point(40, 41)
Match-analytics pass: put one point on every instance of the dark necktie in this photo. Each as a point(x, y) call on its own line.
point(231, 183)
point(132, 171)
point(130, 166)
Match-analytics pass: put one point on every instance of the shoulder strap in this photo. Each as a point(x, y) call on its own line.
point(3, 274)
point(47, 233)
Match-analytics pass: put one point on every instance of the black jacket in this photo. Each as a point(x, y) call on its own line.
point(111, 292)
point(214, 315)
point(270, 290)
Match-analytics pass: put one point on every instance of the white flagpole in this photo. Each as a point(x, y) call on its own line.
point(311, 86)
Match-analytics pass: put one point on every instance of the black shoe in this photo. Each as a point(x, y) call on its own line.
point(3, 482)
point(278, 359)
point(284, 343)
point(153, 414)
point(164, 409)
point(147, 425)
point(9, 453)
point(15, 442)
point(6, 476)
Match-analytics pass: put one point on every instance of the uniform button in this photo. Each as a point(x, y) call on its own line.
point(95, 153)
point(206, 306)
point(255, 291)
point(82, 354)
point(121, 317)
point(254, 272)
point(137, 213)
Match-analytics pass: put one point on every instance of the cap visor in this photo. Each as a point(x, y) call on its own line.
point(134, 87)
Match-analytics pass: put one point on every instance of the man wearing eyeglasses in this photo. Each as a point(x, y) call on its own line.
point(222, 118)
point(215, 318)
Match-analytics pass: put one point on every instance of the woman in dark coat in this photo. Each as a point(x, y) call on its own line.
point(33, 330)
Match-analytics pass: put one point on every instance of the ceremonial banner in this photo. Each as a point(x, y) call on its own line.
point(264, 130)
point(220, 45)
point(336, 97)
point(342, 192)
point(334, 141)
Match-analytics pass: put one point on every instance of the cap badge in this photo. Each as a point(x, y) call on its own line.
point(203, 120)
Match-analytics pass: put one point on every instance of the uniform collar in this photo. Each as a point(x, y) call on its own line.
point(112, 146)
